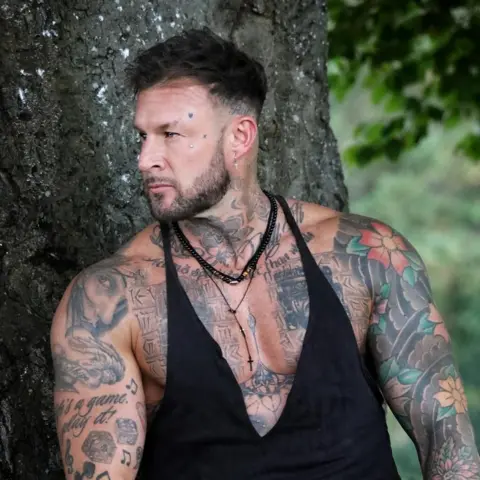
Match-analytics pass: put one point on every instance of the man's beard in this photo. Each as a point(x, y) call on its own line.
point(206, 191)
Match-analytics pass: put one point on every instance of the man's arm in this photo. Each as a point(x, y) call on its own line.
point(99, 401)
point(413, 353)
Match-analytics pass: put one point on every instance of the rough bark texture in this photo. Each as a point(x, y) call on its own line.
point(70, 193)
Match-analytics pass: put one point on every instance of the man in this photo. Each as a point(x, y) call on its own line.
point(259, 336)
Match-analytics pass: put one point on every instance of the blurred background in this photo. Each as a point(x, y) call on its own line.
point(405, 94)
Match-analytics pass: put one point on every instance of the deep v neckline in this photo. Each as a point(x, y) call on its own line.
point(238, 398)
point(236, 387)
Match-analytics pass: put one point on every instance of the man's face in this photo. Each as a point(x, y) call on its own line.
point(181, 160)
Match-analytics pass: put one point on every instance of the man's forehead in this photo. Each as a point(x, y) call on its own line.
point(173, 100)
point(177, 90)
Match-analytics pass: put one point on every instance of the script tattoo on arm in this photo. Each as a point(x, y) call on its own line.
point(412, 349)
point(97, 380)
point(101, 432)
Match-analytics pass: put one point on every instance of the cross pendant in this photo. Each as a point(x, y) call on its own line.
point(250, 361)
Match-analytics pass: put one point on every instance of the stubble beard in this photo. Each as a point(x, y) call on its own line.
point(206, 191)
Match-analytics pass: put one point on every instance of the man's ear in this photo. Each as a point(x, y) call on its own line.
point(243, 136)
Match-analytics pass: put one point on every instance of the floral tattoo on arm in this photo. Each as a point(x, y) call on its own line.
point(411, 348)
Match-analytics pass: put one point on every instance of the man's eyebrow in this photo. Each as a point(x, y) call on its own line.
point(162, 127)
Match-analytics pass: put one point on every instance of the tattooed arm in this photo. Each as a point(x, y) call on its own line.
point(412, 352)
point(99, 402)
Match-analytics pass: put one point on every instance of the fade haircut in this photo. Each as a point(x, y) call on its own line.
point(236, 80)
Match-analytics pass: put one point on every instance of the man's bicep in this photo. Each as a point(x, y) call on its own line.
point(412, 364)
point(98, 395)
point(100, 422)
point(415, 365)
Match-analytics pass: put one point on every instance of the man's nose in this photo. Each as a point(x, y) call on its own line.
point(152, 155)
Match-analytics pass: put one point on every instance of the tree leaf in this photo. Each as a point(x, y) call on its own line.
point(427, 75)
point(470, 146)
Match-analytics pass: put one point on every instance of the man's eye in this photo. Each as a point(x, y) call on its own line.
point(170, 134)
point(142, 136)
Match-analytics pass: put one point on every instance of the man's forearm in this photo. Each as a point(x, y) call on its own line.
point(453, 454)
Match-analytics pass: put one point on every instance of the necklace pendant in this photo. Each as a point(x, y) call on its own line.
point(231, 310)
point(234, 282)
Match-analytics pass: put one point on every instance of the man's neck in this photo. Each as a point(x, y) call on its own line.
point(230, 233)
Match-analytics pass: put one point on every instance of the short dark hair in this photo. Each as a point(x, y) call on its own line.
point(237, 80)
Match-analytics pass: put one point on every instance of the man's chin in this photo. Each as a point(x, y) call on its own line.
point(166, 214)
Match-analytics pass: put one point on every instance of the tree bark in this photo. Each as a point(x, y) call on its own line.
point(69, 190)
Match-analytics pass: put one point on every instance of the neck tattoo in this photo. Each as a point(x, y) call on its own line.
point(248, 271)
point(251, 264)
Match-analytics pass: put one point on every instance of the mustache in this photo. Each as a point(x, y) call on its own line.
point(147, 181)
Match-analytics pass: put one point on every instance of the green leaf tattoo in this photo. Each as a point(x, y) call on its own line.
point(410, 276)
point(389, 369)
point(356, 248)
point(409, 376)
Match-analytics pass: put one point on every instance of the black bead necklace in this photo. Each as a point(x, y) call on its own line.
point(251, 264)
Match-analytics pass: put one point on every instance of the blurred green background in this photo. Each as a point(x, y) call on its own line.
point(405, 106)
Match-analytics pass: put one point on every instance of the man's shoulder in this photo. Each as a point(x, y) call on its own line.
point(309, 215)
point(381, 249)
point(339, 226)
point(136, 255)
point(356, 235)
point(147, 243)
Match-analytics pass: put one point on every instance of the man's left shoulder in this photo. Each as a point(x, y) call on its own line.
point(383, 248)
point(338, 227)
point(312, 216)
point(358, 235)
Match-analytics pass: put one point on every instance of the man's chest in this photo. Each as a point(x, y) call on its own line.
point(259, 323)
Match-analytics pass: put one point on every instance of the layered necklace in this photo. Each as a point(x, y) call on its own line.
point(248, 270)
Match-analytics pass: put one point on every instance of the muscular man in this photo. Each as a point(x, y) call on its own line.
point(244, 336)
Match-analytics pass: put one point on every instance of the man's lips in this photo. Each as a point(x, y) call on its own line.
point(155, 187)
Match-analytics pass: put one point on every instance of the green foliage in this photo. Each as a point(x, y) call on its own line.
point(432, 196)
point(418, 59)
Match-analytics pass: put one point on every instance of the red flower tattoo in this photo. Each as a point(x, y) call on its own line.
point(385, 246)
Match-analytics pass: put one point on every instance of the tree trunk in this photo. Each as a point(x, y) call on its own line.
point(70, 192)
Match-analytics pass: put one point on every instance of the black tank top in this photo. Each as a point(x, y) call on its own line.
point(333, 423)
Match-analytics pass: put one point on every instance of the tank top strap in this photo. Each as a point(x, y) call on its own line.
point(167, 249)
point(308, 261)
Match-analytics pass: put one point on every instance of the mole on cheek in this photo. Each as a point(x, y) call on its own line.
point(190, 115)
point(205, 136)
